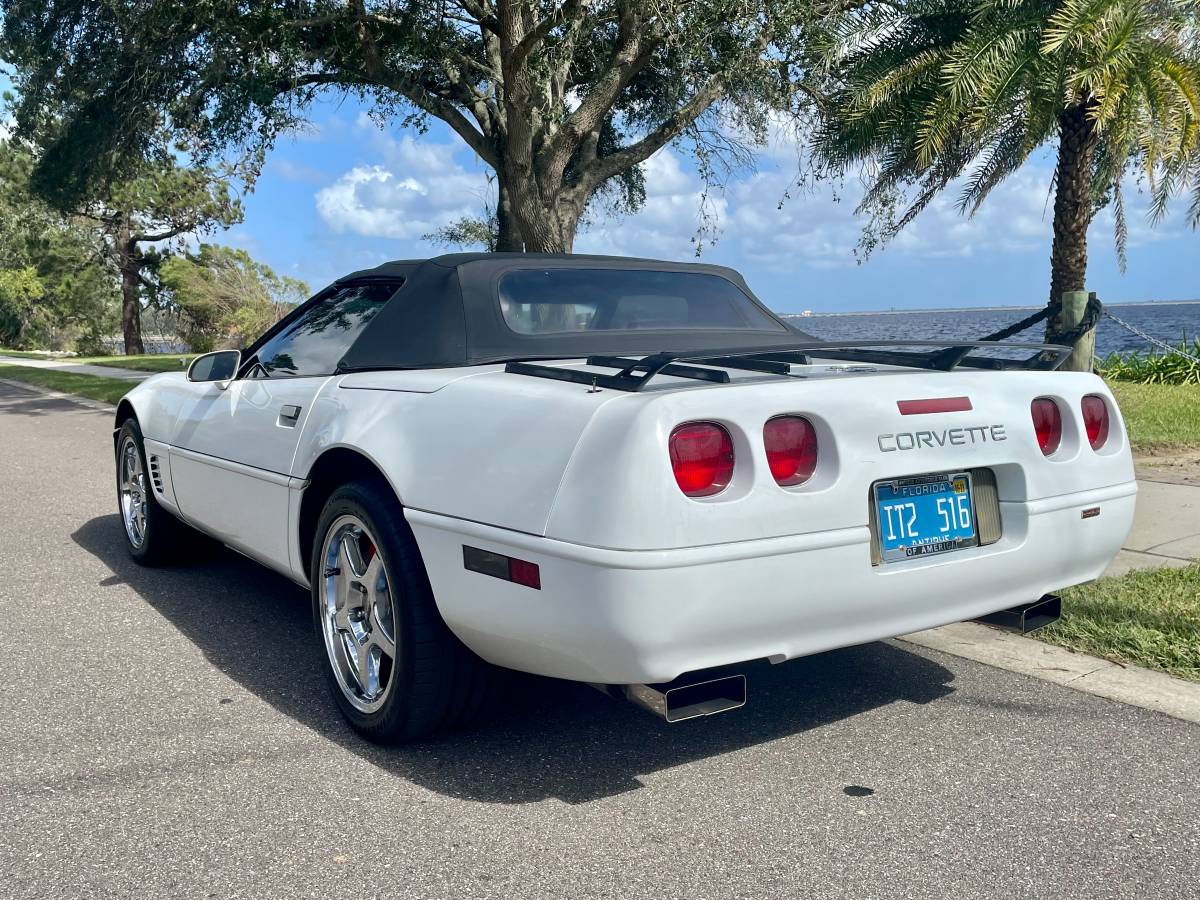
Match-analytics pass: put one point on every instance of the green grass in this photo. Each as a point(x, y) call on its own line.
point(1149, 618)
point(1160, 416)
point(151, 362)
point(26, 354)
point(107, 390)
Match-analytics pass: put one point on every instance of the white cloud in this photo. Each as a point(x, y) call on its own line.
point(666, 223)
point(371, 201)
point(766, 221)
point(763, 219)
point(416, 188)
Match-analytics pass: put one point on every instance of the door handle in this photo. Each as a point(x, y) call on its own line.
point(289, 415)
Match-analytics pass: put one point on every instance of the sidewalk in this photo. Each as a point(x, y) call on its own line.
point(65, 365)
point(1166, 532)
point(1166, 527)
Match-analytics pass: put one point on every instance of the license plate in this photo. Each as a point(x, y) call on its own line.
point(924, 515)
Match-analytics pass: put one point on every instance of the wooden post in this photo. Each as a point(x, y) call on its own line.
point(1074, 303)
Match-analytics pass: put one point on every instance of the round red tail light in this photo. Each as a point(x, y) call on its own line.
point(791, 449)
point(1047, 424)
point(1095, 420)
point(702, 458)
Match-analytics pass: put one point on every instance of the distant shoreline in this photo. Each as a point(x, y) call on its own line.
point(960, 309)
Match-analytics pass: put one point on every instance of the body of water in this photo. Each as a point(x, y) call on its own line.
point(1166, 321)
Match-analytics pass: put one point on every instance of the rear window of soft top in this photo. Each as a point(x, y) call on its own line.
point(563, 301)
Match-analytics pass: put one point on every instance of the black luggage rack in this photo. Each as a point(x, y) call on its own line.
point(636, 373)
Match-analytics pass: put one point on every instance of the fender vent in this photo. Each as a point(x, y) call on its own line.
point(156, 475)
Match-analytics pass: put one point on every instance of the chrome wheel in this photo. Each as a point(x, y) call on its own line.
point(133, 492)
point(357, 614)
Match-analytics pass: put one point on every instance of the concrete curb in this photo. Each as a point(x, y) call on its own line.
point(1131, 685)
point(58, 395)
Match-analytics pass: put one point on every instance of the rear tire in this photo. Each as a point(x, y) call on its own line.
point(396, 671)
point(153, 536)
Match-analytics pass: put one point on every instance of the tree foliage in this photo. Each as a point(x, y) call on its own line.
point(561, 98)
point(467, 232)
point(61, 275)
point(146, 215)
point(55, 289)
point(223, 297)
point(932, 91)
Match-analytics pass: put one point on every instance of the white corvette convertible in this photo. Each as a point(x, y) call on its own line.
point(617, 471)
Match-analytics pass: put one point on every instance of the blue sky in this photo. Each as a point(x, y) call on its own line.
point(346, 194)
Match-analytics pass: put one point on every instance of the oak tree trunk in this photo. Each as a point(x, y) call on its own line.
point(539, 226)
point(129, 261)
point(1073, 206)
point(547, 226)
point(508, 236)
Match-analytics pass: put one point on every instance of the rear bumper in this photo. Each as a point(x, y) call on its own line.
point(624, 617)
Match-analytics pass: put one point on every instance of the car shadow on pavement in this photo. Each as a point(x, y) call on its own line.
point(552, 739)
point(17, 401)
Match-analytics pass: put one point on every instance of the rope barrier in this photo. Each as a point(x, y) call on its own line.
point(1028, 322)
point(1091, 315)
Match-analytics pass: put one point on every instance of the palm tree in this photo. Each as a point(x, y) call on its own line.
point(924, 93)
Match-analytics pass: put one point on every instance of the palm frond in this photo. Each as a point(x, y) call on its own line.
point(930, 91)
point(1006, 154)
point(1120, 226)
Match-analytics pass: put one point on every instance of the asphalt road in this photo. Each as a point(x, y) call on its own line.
point(167, 733)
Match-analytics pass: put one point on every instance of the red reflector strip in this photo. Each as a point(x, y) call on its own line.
point(506, 568)
point(526, 573)
point(934, 405)
point(1090, 513)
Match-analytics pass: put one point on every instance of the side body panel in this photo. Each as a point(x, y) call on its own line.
point(552, 458)
point(230, 455)
point(158, 458)
point(243, 423)
point(488, 447)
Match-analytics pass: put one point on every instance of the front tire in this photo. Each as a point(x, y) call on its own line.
point(395, 670)
point(152, 535)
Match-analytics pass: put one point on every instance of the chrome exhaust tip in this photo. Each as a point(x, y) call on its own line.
point(679, 700)
point(1028, 616)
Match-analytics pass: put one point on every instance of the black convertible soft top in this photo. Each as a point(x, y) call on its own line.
point(447, 313)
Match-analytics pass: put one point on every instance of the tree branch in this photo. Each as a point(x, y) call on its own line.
point(570, 9)
point(478, 12)
point(633, 50)
point(606, 167)
point(419, 95)
point(443, 109)
point(414, 92)
point(706, 95)
point(163, 235)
